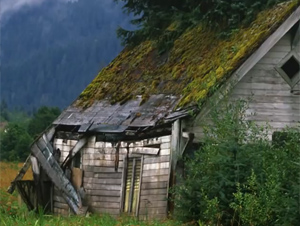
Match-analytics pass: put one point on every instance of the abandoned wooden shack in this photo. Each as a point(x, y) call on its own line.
point(115, 149)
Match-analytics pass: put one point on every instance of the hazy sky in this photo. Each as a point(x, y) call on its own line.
point(11, 6)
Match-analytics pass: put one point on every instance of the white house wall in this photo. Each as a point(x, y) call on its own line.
point(270, 96)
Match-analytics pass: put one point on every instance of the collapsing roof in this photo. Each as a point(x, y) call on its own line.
point(104, 117)
point(141, 88)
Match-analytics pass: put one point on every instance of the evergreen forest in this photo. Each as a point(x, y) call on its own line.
point(50, 52)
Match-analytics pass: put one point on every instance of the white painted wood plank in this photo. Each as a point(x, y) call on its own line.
point(154, 166)
point(155, 178)
point(107, 181)
point(106, 205)
point(159, 172)
point(164, 152)
point(93, 186)
point(103, 198)
point(144, 150)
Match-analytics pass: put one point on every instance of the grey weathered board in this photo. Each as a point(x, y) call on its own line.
point(270, 98)
point(43, 150)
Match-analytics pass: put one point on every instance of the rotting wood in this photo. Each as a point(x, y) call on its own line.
point(153, 197)
point(98, 169)
point(61, 205)
point(103, 193)
point(108, 205)
point(97, 198)
point(102, 163)
point(49, 135)
point(117, 175)
point(154, 204)
point(156, 166)
point(123, 183)
point(153, 210)
point(163, 152)
point(144, 150)
point(102, 187)
point(78, 147)
point(150, 159)
point(154, 185)
point(42, 150)
point(156, 178)
point(58, 198)
point(151, 217)
point(117, 156)
point(156, 172)
point(106, 210)
point(139, 191)
point(132, 186)
point(160, 191)
point(112, 181)
point(296, 38)
point(68, 135)
point(250, 63)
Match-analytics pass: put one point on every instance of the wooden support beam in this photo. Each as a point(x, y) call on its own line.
point(123, 189)
point(175, 150)
point(140, 185)
point(49, 135)
point(132, 186)
point(78, 146)
point(175, 143)
point(43, 151)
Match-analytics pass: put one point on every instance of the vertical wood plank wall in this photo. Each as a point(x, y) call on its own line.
point(103, 185)
point(155, 181)
point(60, 206)
point(100, 181)
point(271, 97)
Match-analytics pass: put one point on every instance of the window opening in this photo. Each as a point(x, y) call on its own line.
point(289, 68)
point(77, 160)
point(132, 187)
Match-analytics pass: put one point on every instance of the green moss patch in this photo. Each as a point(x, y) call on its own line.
point(197, 64)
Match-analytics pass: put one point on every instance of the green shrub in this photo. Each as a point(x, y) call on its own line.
point(240, 177)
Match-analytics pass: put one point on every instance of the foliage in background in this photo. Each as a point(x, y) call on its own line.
point(165, 21)
point(21, 129)
point(51, 51)
point(239, 177)
point(42, 119)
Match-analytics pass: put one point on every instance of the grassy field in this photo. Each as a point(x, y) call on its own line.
point(11, 213)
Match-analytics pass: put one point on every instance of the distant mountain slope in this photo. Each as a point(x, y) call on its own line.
point(50, 52)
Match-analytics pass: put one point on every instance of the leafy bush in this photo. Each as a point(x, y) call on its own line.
point(239, 177)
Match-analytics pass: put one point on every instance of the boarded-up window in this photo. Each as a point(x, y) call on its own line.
point(132, 187)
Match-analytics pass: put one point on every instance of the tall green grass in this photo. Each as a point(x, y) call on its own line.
point(11, 214)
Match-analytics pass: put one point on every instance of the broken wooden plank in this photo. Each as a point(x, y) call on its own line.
point(97, 198)
point(49, 135)
point(156, 178)
point(43, 150)
point(144, 150)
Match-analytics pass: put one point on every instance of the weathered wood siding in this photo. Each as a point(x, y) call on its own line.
point(270, 96)
point(155, 182)
point(60, 206)
point(102, 181)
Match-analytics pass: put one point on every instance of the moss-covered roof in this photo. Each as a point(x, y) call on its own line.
point(196, 65)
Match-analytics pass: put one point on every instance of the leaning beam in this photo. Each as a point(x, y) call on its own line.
point(49, 134)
